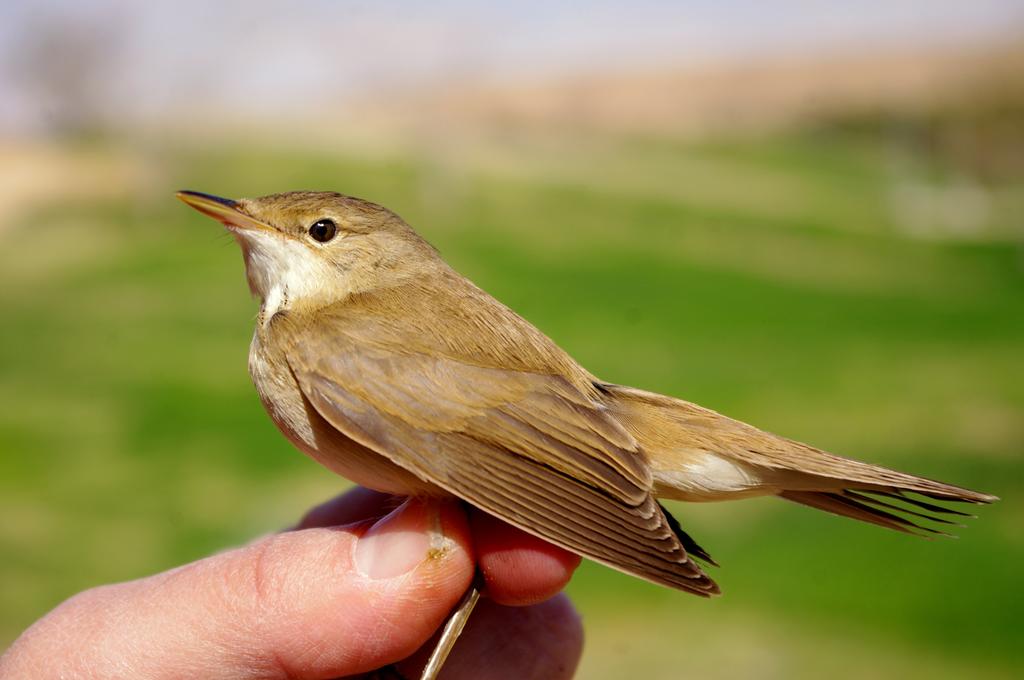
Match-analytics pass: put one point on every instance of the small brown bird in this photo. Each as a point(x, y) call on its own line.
point(377, 359)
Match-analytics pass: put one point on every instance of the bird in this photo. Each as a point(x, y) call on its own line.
point(377, 359)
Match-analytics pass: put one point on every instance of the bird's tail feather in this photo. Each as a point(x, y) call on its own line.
point(698, 454)
point(869, 508)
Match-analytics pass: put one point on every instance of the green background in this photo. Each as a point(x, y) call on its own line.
point(768, 277)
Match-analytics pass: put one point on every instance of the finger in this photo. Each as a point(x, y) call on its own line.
point(518, 568)
point(305, 604)
point(355, 505)
point(540, 642)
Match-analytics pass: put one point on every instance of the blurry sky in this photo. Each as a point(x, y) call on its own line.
point(144, 61)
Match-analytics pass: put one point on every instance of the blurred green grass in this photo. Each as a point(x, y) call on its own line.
point(764, 278)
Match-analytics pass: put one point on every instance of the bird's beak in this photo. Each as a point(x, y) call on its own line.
point(224, 210)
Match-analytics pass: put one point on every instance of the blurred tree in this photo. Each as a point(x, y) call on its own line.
point(64, 62)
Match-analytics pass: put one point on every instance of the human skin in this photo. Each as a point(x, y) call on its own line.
point(362, 582)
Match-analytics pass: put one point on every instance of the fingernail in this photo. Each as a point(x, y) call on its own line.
point(399, 542)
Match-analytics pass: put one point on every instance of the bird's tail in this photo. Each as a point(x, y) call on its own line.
point(700, 455)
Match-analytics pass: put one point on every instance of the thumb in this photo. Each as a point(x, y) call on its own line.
point(315, 603)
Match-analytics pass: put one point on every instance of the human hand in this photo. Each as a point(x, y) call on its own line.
point(342, 594)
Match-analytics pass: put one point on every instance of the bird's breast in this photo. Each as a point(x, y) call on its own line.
point(279, 392)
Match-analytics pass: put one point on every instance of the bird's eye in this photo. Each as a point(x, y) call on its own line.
point(323, 230)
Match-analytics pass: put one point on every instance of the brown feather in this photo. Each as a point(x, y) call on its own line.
point(529, 447)
point(672, 432)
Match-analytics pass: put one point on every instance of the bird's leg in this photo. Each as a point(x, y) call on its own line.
point(453, 628)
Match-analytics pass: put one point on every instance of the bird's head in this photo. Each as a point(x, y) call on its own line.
point(314, 248)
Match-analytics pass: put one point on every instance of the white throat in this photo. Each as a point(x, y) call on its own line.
point(282, 270)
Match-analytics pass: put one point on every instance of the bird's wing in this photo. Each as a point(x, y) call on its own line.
point(527, 447)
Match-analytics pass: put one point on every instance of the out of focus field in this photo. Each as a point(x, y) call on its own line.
point(778, 278)
point(809, 216)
